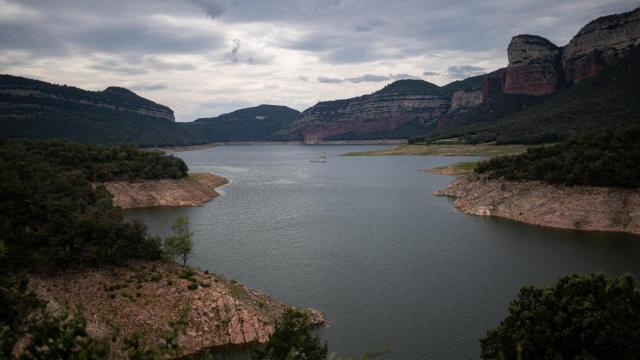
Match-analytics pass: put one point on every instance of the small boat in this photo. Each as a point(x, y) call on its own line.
point(323, 157)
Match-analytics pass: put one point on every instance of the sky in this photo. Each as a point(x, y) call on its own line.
point(207, 57)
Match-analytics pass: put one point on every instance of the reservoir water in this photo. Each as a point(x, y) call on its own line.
point(363, 239)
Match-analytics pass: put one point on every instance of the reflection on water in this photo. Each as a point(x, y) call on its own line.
point(363, 239)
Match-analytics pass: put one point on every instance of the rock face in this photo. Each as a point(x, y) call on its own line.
point(600, 43)
point(538, 67)
point(144, 297)
point(538, 203)
point(465, 100)
point(534, 66)
point(194, 190)
point(399, 110)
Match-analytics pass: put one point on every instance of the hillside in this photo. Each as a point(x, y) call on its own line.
point(399, 110)
point(33, 109)
point(607, 100)
point(547, 93)
point(257, 123)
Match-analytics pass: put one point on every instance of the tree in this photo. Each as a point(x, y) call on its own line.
point(180, 244)
point(579, 317)
point(292, 340)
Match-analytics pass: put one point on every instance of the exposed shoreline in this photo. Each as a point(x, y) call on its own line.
point(145, 296)
point(538, 203)
point(193, 190)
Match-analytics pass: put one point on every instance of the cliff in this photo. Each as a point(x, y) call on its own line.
point(600, 43)
point(401, 109)
point(539, 67)
point(143, 297)
point(37, 109)
point(194, 190)
point(538, 203)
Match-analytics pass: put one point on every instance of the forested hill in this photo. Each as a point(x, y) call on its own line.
point(592, 159)
point(257, 123)
point(608, 100)
point(33, 109)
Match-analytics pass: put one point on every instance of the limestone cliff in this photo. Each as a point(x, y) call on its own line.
point(194, 190)
point(401, 109)
point(600, 43)
point(538, 67)
point(538, 203)
point(534, 66)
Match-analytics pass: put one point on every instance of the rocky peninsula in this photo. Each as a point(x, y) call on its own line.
point(193, 190)
point(143, 297)
point(539, 203)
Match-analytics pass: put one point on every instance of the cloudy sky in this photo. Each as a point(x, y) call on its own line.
point(207, 57)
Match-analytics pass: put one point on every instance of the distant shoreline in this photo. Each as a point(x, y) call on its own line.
point(320, 142)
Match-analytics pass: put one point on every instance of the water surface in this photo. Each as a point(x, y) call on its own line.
point(362, 238)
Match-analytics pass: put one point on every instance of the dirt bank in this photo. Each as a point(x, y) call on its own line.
point(194, 190)
point(144, 296)
point(538, 203)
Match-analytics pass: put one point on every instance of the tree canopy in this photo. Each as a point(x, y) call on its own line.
point(579, 317)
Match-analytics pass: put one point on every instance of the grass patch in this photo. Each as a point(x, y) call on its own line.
point(461, 168)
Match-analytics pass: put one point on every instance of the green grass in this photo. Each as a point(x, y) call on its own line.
point(461, 168)
point(445, 150)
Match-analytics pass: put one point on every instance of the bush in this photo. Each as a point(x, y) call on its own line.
point(292, 340)
point(579, 317)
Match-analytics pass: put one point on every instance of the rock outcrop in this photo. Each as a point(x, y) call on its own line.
point(534, 66)
point(464, 100)
point(145, 296)
point(194, 190)
point(600, 43)
point(538, 203)
point(538, 67)
point(401, 109)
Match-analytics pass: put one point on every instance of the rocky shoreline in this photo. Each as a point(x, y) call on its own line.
point(193, 190)
point(538, 203)
point(145, 296)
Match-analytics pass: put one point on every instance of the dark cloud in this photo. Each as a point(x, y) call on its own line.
point(233, 54)
point(213, 8)
point(430, 73)
point(327, 80)
point(367, 78)
point(143, 38)
point(464, 71)
point(149, 87)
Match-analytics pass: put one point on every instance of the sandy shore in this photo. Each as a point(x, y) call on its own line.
point(193, 190)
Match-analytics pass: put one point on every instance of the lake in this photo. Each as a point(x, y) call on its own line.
point(363, 239)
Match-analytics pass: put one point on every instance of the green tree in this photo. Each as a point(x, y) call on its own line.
point(292, 340)
point(180, 244)
point(579, 317)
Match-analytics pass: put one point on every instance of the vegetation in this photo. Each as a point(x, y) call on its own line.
point(98, 162)
point(292, 340)
point(445, 149)
point(594, 159)
point(579, 317)
point(258, 123)
point(51, 216)
point(180, 243)
point(607, 101)
point(112, 116)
